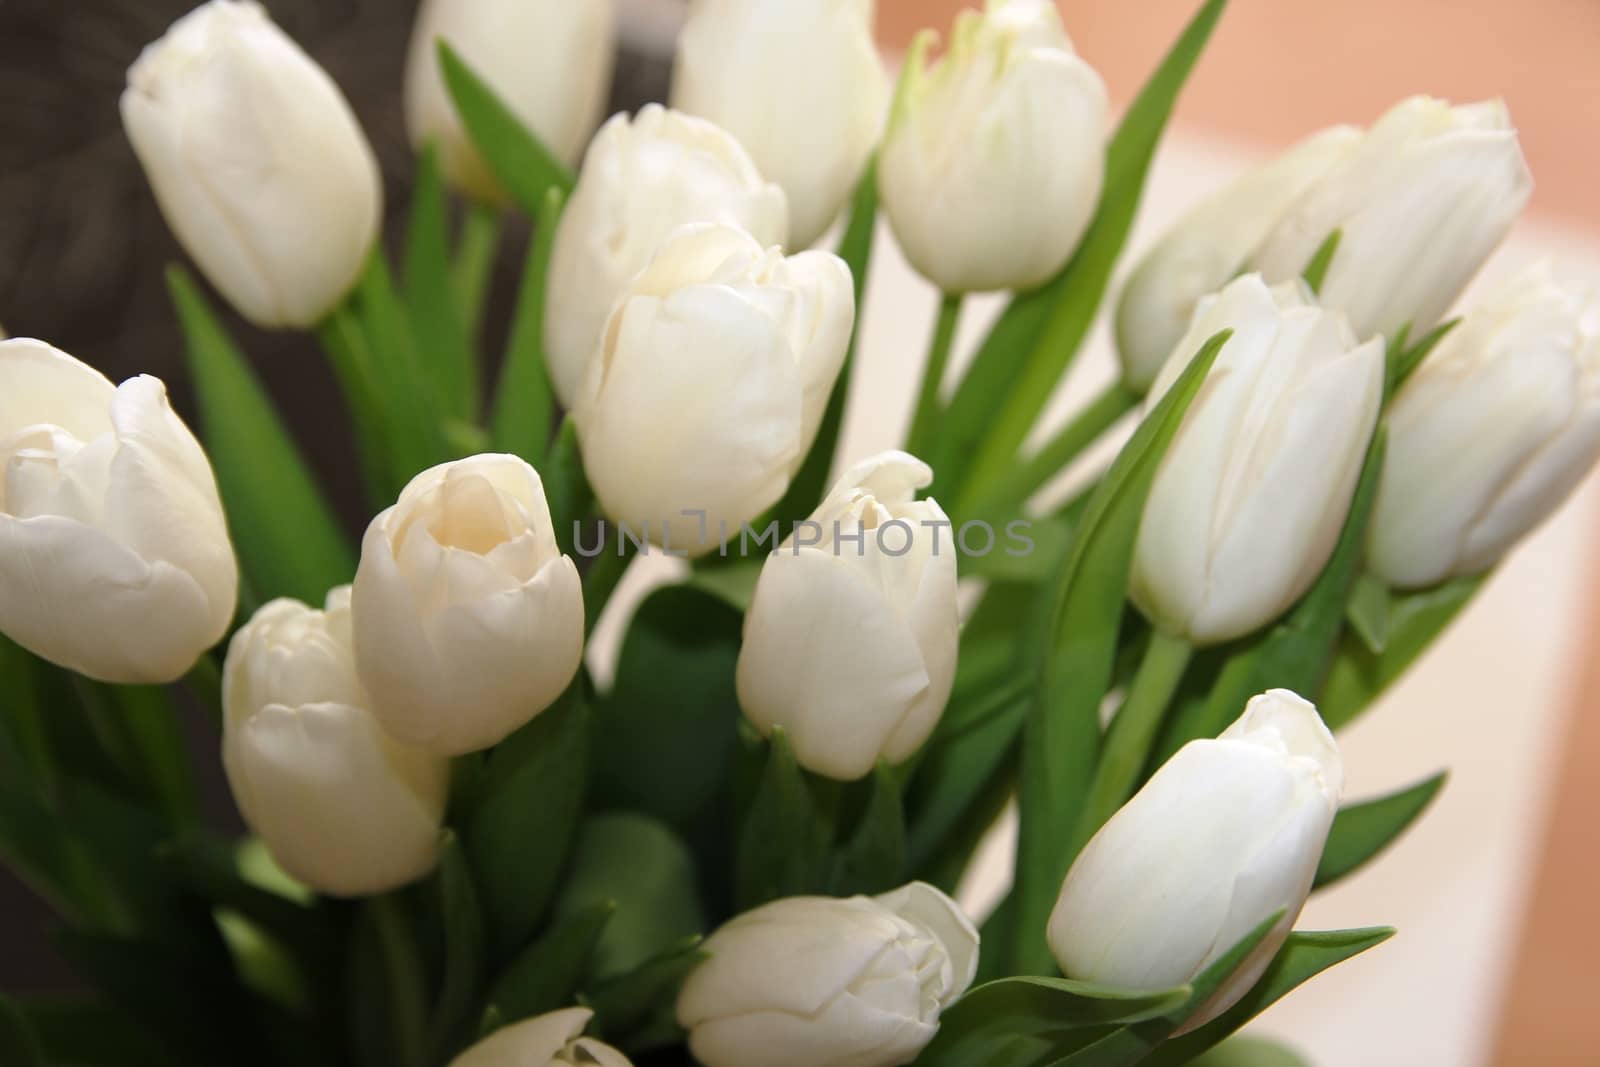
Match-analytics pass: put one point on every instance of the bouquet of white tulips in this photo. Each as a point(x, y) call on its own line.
point(742, 850)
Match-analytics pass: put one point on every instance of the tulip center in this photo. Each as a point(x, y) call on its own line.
point(470, 514)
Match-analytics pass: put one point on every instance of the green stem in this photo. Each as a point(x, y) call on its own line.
point(345, 343)
point(1132, 732)
point(204, 682)
point(928, 406)
point(524, 402)
point(1027, 477)
point(603, 577)
point(408, 982)
point(475, 255)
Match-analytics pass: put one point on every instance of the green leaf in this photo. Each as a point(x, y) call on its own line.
point(631, 1006)
point(565, 484)
point(464, 950)
point(344, 340)
point(545, 976)
point(872, 859)
point(1358, 676)
point(19, 1045)
point(26, 755)
point(1317, 269)
point(1037, 1007)
point(386, 998)
point(1073, 657)
point(518, 838)
point(1304, 956)
point(55, 863)
point(639, 865)
point(521, 162)
point(670, 723)
point(784, 837)
point(524, 403)
point(139, 727)
point(288, 541)
point(448, 361)
point(473, 268)
point(412, 413)
point(1368, 612)
point(1017, 368)
point(810, 483)
point(1361, 831)
point(90, 1034)
point(1403, 365)
point(1246, 1050)
point(732, 583)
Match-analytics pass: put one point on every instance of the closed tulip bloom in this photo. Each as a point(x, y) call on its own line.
point(257, 162)
point(549, 61)
point(1250, 498)
point(1494, 430)
point(1226, 834)
point(992, 164)
point(552, 1040)
point(114, 554)
point(341, 806)
point(710, 384)
point(468, 619)
point(642, 179)
point(824, 982)
point(1420, 203)
point(1208, 247)
point(799, 83)
point(851, 638)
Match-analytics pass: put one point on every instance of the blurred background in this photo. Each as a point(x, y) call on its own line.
point(1493, 893)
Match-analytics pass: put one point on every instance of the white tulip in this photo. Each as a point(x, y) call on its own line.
point(824, 982)
point(1250, 498)
point(993, 161)
point(641, 180)
point(1225, 834)
point(802, 86)
point(468, 619)
point(1420, 203)
point(257, 162)
point(1207, 248)
point(340, 805)
point(114, 554)
point(549, 61)
point(851, 638)
point(710, 384)
point(1494, 430)
point(553, 1040)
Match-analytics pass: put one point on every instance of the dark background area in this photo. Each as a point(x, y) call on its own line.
point(83, 250)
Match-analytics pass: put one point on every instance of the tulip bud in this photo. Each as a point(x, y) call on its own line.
point(1226, 834)
point(340, 805)
point(1420, 203)
point(553, 1040)
point(549, 61)
point(468, 619)
point(641, 180)
point(1250, 498)
point(1208, 247)
point(800, 83)
point(824, 982)
point(851, 637)
point(1494, 430)
point(992, 164)
point(114, 554)
point(710, 384)
point(257, 162)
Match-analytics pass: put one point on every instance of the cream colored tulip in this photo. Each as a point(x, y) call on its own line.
point(114, 554)
point(340, 805)
point(1420, 203)
point(468, 619)
point(1224, 836)
point(1209, 245)
point(799, 83)
point(552, 1040)
point(851, 638)
point(549, 61)
point(1250, 498)
point(711, 382)
point(642, 179)
point(1496, 428)
point(824, 982)
point(257, 162)
point(993, 161)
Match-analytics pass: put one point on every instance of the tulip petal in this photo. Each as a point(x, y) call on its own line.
point(42, 385)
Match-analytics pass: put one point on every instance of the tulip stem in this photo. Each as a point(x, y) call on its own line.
point(475, 255)
point(407, 982)
point(1133, 731)
point(928, 406)
point(1027, 477)
point(204, 682)
point(604, 575)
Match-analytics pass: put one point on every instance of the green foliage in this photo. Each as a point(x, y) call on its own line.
point(547, 974)
point(523, 401)
point(1361, 831)
point(523, 165)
